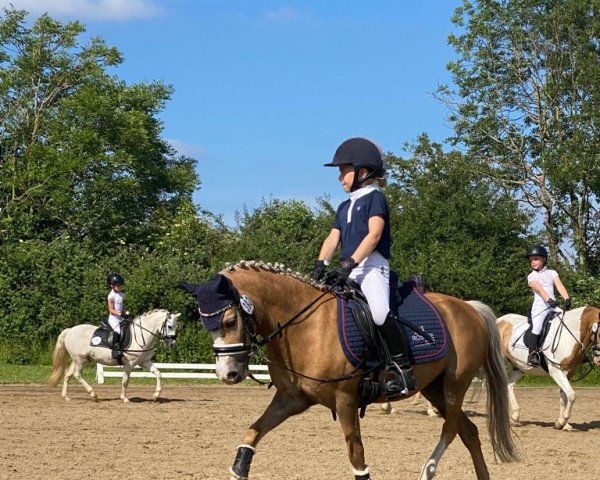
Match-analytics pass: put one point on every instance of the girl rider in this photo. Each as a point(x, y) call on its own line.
point(362, 227)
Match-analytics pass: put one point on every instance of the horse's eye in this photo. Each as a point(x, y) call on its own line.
point(229, 322)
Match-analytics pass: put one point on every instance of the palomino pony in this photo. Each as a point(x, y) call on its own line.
point(145, 331)
point(296, 320)
point(564, 349)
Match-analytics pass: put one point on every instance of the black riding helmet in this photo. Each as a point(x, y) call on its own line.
point(115, 279)
point(360, 153)
point(537, 250)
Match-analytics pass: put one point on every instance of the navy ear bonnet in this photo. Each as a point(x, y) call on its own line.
point(213, 297)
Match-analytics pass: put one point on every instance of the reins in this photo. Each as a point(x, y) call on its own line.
point(263, 341)
point(143, 342)
point(249, 319)
point(556, 341)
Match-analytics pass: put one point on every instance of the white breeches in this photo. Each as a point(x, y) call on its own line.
point(115, 324)
point(538, 314)
point(375, 284)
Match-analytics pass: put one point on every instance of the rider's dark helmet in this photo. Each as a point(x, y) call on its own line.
point(115, 279)
point(537, 250)
point(360, 153)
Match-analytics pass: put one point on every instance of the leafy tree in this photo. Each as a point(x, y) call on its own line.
point(465, 235)
point(287, 232)
point(80, 151)
point(526, 106)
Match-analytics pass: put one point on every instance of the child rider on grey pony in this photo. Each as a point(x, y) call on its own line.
point(362, 228)
point(116, 310)
point(542, 281)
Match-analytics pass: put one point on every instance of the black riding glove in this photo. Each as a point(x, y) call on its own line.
point(551, 302)
point(318, 271)
point(341, 274)
point(567, 303)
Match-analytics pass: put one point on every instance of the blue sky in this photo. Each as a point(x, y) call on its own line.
point(266, 90)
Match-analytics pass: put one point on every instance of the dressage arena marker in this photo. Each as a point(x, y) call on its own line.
point(206, 370)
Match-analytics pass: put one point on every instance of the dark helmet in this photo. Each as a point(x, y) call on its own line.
point(360, 153)
point(537, 250)
point(115, 279)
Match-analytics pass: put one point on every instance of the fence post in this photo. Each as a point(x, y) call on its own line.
point(99, 373)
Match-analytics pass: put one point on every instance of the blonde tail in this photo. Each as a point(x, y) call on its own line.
point(59, 358)
point(499, 429)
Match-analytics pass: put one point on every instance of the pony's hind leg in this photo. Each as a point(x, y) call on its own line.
point(68, 375)
point(77, 369)
point(282, 407)
point(513, 377)
point(74, 370)
point(470, 437)
point(455, 421)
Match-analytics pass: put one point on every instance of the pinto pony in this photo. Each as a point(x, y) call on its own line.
point(145, 331)
point(564, 350)
point(296, 320)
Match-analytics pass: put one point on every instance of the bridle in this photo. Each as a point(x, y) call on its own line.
point(163, 334)
point(595, 347)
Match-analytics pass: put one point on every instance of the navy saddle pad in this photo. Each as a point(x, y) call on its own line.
point(426, 330)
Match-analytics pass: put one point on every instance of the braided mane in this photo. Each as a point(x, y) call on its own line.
point(278, 268)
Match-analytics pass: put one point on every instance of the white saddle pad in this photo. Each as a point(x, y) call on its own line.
point(516, 339)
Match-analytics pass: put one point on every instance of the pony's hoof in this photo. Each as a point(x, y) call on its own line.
point(433, 414)
point(125, 400)
point(515, 423)
point(67, 399)
point(566, 427)
point(155, 398)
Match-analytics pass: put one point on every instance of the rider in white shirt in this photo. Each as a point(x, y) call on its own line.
point(542, 281)
point(116, 309)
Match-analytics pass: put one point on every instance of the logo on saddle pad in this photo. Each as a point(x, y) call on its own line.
point(417, 338)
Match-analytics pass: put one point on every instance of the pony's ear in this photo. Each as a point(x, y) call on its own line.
point(189, 287)
point(175, 316)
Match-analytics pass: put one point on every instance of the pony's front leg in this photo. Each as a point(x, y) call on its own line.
point(149, 366)
point(567, 399)
point(513, 377)
point(125, 382)
point(347, 410)
point(282, 406)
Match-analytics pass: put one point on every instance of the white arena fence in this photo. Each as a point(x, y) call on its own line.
point(191, 370)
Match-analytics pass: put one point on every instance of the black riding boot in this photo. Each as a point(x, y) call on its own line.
point(534, 351)
point(116, 347)
point(398, 378)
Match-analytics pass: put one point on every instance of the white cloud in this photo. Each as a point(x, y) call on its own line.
point(186, 149)
point(88, 9)
point(286, 13)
